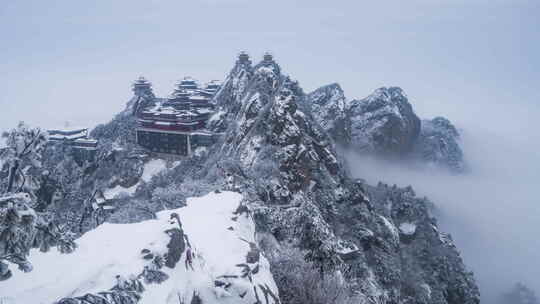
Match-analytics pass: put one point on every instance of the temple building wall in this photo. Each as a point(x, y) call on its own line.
point(164, 142)
point(75, 142)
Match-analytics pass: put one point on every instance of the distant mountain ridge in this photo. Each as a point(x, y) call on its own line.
point(384, 123)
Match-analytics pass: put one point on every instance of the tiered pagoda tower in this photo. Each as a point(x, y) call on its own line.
point(188, 84)
point(243, 58)
point(142, 87)
point(267, 57)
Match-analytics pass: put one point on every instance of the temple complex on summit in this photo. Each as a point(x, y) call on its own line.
point(175, 124)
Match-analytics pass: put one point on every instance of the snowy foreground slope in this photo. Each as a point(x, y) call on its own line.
point(220, 239)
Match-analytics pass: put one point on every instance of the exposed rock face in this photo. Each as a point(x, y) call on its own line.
point(438, 144)
point(176, 247)
point(231, 93)
point(328, 106)
point(124, 292)
point(300, 194)
point(384, 122)
point(426, 256)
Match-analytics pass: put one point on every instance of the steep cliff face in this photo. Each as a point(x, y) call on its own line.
point(299, 193)
point(438, 144)
point(271, 131)
point(427, 256)
point(329, 108)
point(232, 91)
point(384, 122)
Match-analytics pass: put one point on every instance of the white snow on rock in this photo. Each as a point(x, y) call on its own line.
point(200, 151)
point(393, 230)
point(216, 116)
point(328, 106)
point(120, 191)
point(345, 247)
point(150, 169)
point(407, 228)
point(220, 242)
point(427, 289)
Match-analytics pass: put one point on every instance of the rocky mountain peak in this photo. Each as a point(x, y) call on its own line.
point(302, 195)
point(329, 94)
point(329, 108)
point(444, 125)
point(438, 144)
point(384, 122)
point(388, 94)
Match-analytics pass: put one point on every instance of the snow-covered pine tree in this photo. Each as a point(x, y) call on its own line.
point(21, 228)
point(23, 152)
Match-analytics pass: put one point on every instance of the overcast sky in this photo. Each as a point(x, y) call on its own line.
point(74, 60)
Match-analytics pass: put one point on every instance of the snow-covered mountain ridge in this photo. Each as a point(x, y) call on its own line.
point(384, 123)
point(319, 229)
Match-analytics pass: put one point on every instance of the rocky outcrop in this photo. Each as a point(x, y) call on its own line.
point(175, 247)
point(384, 122)
point(126, 291)
point(438, 144)
point(230, 94)
point(328, 106)
point(300, 194)
point(427, 256)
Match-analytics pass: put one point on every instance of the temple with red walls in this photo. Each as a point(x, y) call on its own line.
point(175, 124)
